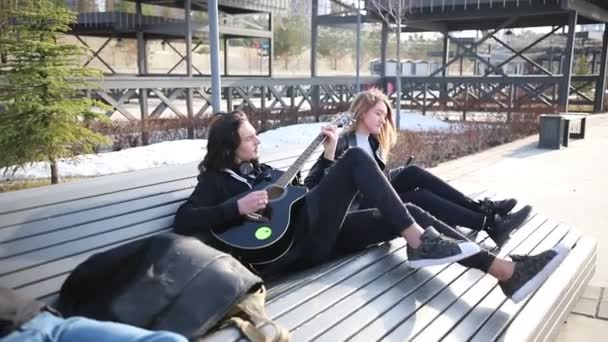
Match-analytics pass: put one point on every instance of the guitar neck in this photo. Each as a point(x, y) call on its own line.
point(293, 170)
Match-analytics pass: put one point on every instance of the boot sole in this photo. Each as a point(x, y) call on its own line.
point(538, 280)
point(467, 249)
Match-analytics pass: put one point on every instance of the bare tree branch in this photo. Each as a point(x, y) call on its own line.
point(393, 11)
point(389, 11)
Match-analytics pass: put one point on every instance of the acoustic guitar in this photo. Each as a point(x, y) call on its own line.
point(266, 236)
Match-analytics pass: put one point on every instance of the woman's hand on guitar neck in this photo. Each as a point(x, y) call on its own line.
point(331, 134)
point(253, 202)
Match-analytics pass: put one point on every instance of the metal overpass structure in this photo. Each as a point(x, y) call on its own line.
point(546, 89)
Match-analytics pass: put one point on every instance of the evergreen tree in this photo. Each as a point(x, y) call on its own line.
point(43, 115)
point(291, 36)
point(582, 66)
point(335, 44)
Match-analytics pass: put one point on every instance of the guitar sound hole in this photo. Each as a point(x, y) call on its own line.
point(275, 192)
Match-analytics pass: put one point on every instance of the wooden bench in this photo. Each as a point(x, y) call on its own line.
point(556, 130)
point(46, 232)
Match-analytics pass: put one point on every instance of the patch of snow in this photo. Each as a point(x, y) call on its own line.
point(187, 151)
point(411, 121)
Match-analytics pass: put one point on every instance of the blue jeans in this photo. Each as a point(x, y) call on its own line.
point(47, 327)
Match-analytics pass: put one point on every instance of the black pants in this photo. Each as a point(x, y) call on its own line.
point(418, 186)
point(325, 229)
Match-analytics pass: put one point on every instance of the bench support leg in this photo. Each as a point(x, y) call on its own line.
point(566, 132)
point(581, 133)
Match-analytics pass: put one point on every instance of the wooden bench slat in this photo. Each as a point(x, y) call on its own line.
point(50, 269)
point(65, 211)
point(305, 293)
point(347, 289)
point(436, 300)
point(42, 256)
point(565, 287)
point(496, 324)
point(365, 312)
point(55, 226)
point(280, 287)
point(45, 287)
point(449, 297)
point(487, 331)
point(318, 304)
point(467, 302)
point(88, 188)
point(311, 327)
point(494, 300)
point(407, 306)
point(96, 227)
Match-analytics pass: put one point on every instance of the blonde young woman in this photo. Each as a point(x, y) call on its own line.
point(374, 132)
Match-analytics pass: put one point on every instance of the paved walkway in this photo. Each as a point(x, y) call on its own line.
point(569, 185)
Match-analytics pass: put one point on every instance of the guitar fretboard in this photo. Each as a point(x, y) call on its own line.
point(288, 176)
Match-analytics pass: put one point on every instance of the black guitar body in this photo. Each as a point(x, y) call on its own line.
point(266, 236)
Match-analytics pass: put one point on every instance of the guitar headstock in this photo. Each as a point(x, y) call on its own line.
point(343, 119)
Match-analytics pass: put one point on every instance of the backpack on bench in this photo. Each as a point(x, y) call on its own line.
point(171, 282)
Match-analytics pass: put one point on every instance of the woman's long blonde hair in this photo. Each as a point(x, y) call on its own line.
point(362, 103)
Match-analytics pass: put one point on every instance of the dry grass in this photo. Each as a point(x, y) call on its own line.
point(434, 147)
point(15, 185)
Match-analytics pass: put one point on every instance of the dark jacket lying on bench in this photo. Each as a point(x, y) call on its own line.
point(165, 282)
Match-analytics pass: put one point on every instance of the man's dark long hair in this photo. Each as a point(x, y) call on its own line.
point(223, 141)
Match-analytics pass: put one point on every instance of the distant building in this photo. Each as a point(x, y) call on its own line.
point(300, 7)
point(592, 28)
point(595, 31)
point(304, 7)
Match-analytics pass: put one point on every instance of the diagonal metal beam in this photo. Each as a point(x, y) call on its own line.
point(245, 96)
point(96, 53)
point(485, 96)
point(277, 97)
point(483, 39)
point(497, 89)
point(524, 57)
point(330, 94)
point(541, 96)
point(173, 94)
point(577, 91)
point(168, 102)
point(183, 58)
point(407, 96)
point(126, 95)
point(118, 106)
point(306, 94)
point(468, 52)
point(528, 47)
point(535, 93)
point(201, 91)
